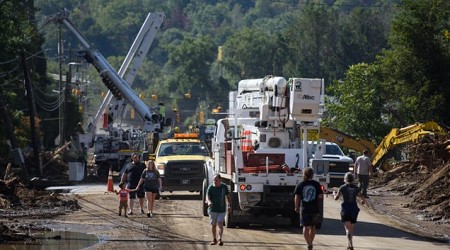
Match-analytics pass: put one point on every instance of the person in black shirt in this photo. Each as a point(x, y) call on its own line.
point(308, 194)
point(131, 176)
point(349, 207)
point(151, 179)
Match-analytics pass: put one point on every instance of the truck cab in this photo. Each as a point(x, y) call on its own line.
point(181, 162)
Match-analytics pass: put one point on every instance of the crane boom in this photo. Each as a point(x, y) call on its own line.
point(116, 85)
point(135, 58)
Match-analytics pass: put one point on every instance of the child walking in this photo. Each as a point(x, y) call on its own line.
point(123, 198)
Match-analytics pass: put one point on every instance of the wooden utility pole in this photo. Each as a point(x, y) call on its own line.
point(32, 111)
point(61, 107)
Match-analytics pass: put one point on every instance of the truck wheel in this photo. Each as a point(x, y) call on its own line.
point(205, 207)
point(102, 173)
point(230, 219)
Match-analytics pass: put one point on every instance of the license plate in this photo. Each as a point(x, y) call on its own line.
point(186, 181)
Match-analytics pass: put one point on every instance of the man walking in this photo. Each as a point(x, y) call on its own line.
point(364, 168)
point(308, 194)
point(215, 197)
point(131, 176)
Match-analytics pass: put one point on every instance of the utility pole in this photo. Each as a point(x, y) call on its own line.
point(67, 89)
point(61, 107)
point(32, 111)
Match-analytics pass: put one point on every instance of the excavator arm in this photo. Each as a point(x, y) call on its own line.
point(398, 136)
point(345, 140)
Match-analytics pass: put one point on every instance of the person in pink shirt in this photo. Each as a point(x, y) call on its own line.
point(123, 198)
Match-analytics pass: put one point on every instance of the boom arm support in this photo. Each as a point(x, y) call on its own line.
point(118, 87)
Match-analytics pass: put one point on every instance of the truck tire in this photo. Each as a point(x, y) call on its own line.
point(102, 172)
point(230, 219)
point(204, 205)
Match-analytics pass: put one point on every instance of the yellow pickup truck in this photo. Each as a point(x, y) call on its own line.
point(181, 162)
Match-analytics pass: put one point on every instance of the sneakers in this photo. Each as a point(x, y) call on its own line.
point(220, 242)
point(148, 215)
point(310, 247)
point(142, 211)
point(130, 213)
point(214, 242)
point(120, 214)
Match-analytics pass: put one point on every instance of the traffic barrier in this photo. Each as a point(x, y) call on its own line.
point(110, 184)
point(246, 141)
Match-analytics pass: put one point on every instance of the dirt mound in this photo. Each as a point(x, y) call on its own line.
point(425, 177)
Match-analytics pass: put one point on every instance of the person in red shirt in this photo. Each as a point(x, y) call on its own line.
point(123, 198)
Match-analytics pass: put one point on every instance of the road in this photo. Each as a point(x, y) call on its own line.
point(179, 224)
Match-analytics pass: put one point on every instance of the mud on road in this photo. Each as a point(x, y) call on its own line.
point(413, 196)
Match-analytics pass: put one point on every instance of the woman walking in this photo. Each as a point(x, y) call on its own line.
point(152, 185)
point(349, 206)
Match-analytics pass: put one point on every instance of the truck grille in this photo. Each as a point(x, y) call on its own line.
point(184, 175)
point(337, 171)
point(339, 167)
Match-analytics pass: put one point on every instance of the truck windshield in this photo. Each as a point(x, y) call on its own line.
point(193, 148)
point(333, 150)
point(330, 149)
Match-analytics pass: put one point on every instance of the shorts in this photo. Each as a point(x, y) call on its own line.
point(140, 193)
point(309, 219)
point(123, 204)
point(349, 217)
point(215, 218)
point(151, 190)
point(349, 213)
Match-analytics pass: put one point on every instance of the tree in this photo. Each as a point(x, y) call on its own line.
point(356, 103)
point(416, 70)
point(17, 33)
point(252, 53)
point(190, 63)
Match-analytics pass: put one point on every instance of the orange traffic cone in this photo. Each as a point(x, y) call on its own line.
point(110, 182)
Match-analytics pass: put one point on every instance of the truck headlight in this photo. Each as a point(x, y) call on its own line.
point(160, 166)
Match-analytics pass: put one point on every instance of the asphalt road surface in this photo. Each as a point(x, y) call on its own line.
point(178, 223)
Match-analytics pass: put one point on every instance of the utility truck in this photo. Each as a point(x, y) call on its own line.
point(258, 149)
point(114, 146)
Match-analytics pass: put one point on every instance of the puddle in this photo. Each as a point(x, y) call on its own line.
point(55, 240)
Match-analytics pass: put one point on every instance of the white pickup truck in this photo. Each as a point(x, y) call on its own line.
point(339, 163)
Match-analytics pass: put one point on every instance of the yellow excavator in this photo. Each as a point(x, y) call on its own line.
point(396, 136)
point(411, 133)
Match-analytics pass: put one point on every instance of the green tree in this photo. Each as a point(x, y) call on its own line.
point(312, 42)
point(18, 34)
point(252, 53)
point(190, 61)
point(356, 103)
point(416, 69)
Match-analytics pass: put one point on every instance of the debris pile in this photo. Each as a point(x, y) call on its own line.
point(425, 177)
point(18, 201)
